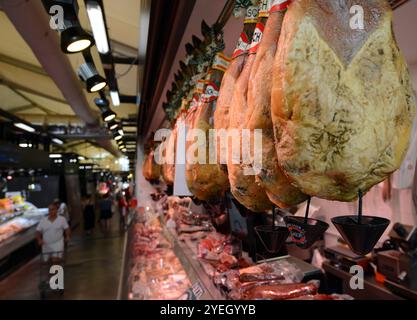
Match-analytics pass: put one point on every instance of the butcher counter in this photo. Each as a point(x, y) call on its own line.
point(201, 284)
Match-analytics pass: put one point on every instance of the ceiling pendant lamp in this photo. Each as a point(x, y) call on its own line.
point(90, 76)
point(112, 125)
point(74, 39)
point(64, 18)
point(108, 115)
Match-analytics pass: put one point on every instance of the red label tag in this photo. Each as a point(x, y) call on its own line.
point(257, 37)
point(242, 45)
point(211, 93)
point(280, 5)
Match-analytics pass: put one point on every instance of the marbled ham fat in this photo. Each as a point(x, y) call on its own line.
point(342, 117)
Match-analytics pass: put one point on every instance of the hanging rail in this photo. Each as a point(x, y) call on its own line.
point(397, 3)
point(226, 13)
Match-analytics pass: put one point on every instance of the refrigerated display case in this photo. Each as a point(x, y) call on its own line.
point(18, 221)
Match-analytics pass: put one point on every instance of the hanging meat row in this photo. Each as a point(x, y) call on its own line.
point(332, 101)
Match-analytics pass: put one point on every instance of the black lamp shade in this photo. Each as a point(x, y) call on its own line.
point(75, 39)
point(108, 116)
point(95, 83)
point(112, 125)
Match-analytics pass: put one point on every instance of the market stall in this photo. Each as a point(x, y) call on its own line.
point(18, 221)
point(284, 135)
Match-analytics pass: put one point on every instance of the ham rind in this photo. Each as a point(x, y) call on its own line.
point(206, 180)
point(279, 189)
point(168, 168)
point(342, 101)
point(221, 114)
point(242, 183)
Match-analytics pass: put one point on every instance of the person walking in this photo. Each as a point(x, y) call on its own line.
point(123, 207)
point(105, 205)
point(89, 215)
point(50, 234)
point(62, 210)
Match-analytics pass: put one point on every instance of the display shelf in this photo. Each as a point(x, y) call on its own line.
point(23, 237)
point(17, 241)
point(10, 216)
point(194, 269)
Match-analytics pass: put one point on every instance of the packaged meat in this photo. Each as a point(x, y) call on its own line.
point(342, 101)
point(242, 182)
point(156, 272)
point(279, 291)
point(325, 297)
point(279, 189)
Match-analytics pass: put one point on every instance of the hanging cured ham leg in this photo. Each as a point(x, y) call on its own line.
point(270, 177)
point(221, 114)
point(206, 180)
point(342, 102)
point(242, 183)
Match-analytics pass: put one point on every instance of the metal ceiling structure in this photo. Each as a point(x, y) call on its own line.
point(28, 91)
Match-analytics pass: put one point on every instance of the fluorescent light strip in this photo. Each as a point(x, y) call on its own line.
point(24, 126)
point(55, 155)
point(81, 158)
point(115, 99)
point(25, 145)
point(57, 141)
point(95, 15)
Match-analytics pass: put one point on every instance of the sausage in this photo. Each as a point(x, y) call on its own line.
point(249, 277)
point(279, 291)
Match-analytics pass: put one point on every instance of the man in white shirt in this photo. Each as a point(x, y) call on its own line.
point(62, 209)
point(50, 234)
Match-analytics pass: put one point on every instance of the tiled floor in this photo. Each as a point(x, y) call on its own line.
point(92, 269)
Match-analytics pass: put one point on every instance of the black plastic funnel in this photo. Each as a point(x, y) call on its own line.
point(272, 237)
point(305, 231)
point(361, 232)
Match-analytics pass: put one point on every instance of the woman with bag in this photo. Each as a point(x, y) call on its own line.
point(105, 205)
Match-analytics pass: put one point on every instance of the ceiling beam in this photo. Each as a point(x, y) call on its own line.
point(75, 144)
point(53, 120)
point(22, 65)
point(19, 87)
point(47, 111)
point(21, 108)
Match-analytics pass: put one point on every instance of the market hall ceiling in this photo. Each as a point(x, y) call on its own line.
point(27, 91)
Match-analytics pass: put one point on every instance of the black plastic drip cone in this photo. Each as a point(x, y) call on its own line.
point(362, 235)
point(272, 237)
point(361, 232)
point(305, 232)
